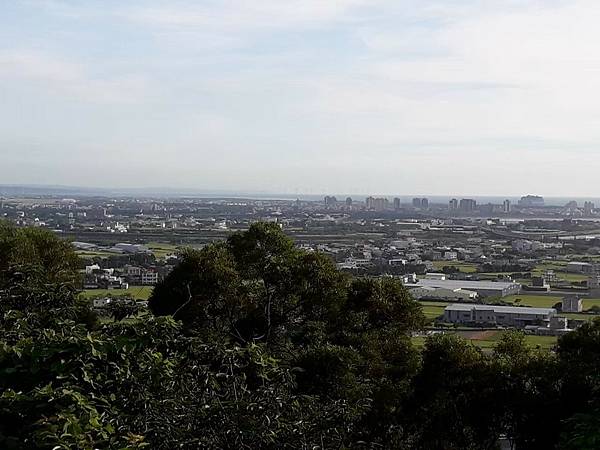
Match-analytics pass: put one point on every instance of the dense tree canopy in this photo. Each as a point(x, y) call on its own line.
point(36, 253)
point(252, 343)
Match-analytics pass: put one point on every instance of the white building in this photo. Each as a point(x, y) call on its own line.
point(134, 271)
point(521, 245)
point(101, 302)
point(580, 267)
point(90, 269)
point(483, 288)
point(460, 295)
point(149, 277)
point(450, 256)
point(435, 276)
point(397, 262)
point(513, 316)
point(572, 303)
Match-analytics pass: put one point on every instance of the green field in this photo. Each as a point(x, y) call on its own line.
point(541, 301)
point(535, 301)
point(138, 292)
point(558, 268)
point(161, 249)
point(93, 254)
point(487, 340)
point(462, 266)
point(433, 310)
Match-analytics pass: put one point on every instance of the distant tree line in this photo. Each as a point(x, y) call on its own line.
point(253, 343)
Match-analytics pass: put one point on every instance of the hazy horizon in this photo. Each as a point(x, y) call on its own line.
point(170, 192)
point(312, 97)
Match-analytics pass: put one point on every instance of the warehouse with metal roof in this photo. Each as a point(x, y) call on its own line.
point(513, 316)
point(483, 288)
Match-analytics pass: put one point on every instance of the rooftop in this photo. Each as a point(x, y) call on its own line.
point(499, 309)
point(464, 284)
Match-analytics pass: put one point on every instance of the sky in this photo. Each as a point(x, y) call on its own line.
point(495, 97)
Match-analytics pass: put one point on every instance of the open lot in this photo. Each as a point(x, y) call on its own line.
point(488, 339)
point(137, 292)
point(94, 254)
point(543, 301)
point(433, 310)
point(462, 266)
point(162, 249)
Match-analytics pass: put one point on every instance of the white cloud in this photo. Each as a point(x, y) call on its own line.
point(243, 15)
point(65, 78)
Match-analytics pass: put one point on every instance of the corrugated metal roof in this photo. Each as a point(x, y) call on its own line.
point(499, 309)
point(466, 284)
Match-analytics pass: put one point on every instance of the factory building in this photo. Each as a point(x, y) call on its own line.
point(512, 316)
point(482, 288)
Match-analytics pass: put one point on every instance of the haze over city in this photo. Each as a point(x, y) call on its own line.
point(468, 97)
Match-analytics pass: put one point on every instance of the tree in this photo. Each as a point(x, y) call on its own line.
point(39, 255)
point(528, 385)
point(453, 397)
point(347, 338)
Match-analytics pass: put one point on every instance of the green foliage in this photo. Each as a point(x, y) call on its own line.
point(37, 254)
point(256, 344)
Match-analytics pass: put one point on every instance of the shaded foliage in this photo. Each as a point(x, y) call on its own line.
point(255, 344)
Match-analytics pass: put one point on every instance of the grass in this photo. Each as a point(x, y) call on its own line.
point(558, 268)
point(433, 310)
point(462, 266)
point(161, 249)
point(489, 339)
point(93, 254)
point(579, 316)
point(546, 301)
point(535, 301)
point(137, 292)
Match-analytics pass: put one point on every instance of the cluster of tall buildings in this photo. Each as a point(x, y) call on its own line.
point(532, 201)
point(468, 205)
point(421, 203)
point(382, 203)
point(377, 204)
point(465, 205)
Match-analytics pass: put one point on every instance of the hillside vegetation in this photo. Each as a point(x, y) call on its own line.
point(253, 343)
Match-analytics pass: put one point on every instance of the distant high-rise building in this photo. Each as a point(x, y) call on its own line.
point(396, 203)
point(506, 207)
point(453, 205)
point(588, 208)
point(420, 203)
point(531, 201)
point(330, 200)
point(377, 204)
point(571, 205)
point(381, 204)
point(467, 205)
point(349, 202)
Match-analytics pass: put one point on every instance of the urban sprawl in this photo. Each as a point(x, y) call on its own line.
point(478, 268)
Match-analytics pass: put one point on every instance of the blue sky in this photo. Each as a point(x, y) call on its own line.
point(309, 96)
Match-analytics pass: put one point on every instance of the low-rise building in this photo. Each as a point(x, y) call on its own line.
point(149, 277)
point(513, 316)
point(572, 303)
point(482, 288)
point(580, 267)
point(435, 276)
point(460, 295)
